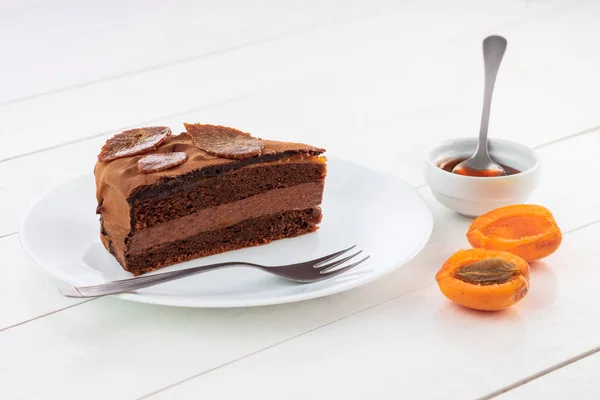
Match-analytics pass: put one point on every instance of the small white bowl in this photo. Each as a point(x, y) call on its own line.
point(472, 196)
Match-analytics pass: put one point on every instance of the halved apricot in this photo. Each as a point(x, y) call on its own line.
point(528, 231)
point(484, 279)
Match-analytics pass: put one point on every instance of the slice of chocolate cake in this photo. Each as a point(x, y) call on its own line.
point(165, 198)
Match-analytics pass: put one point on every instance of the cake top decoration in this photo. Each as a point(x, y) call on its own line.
point(133, 142)
point(161, 161)
point(221, 141)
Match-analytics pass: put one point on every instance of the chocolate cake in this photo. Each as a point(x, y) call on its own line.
point(164, 199)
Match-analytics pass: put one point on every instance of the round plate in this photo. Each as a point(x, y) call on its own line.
point(379, 213)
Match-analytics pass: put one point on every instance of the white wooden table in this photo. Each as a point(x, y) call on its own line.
point(375, 81)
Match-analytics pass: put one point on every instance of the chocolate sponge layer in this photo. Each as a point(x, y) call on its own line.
point(248, 233)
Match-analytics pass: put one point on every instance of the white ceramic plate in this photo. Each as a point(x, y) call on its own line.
point(379, 213)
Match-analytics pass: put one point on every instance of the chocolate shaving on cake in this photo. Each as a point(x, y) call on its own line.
point(161, 161)
point(224, 142)
point(133, 142)
point(272, 147)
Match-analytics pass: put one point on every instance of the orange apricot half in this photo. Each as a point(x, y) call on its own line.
point(528, 231)
point(484, 279)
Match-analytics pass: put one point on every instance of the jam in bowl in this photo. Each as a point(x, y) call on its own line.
point(448, 165)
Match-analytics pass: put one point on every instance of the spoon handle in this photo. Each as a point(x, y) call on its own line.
point(493, 51)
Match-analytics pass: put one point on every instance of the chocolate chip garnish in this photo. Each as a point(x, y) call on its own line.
point(224, 142)
point(133, 142)
point(161, 161)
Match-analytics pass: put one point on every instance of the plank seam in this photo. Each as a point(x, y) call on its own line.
point(541, 373)
point(45, 315)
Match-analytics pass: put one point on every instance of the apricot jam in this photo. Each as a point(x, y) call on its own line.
point(448, 165)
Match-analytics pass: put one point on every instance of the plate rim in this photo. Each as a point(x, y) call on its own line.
point(195, 302)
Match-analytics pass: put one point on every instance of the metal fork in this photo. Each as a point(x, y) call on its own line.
point(304, 272)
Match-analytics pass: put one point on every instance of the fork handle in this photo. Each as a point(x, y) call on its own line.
point(127, 285)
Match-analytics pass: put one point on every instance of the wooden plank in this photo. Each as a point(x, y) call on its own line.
point(143, 336)
point(362, 61)
point(66, 44)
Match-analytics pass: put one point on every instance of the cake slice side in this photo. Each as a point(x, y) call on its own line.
point(208, 204)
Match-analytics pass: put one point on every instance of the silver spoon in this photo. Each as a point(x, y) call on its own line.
point(481, 164)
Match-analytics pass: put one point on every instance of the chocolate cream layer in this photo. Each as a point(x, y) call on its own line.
point(299, 197)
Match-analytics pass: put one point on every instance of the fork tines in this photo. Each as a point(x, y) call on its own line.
point(327, 267)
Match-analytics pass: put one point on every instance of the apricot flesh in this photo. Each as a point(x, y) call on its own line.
point(493, 293)
point(528, 231)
